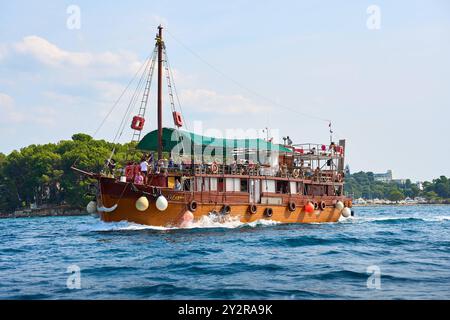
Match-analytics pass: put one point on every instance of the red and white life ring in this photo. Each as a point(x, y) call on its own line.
point(137, 123)
point(214, 168)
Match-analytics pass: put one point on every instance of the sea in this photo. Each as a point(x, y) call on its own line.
point(391, 252)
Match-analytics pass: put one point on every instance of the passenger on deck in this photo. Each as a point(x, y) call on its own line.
point(317, 173)
point(139, 179)
point(144, 168)
point(111, 164)
point(177, 186)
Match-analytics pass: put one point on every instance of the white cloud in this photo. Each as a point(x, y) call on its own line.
point(51, 55)
point(45, 116)
point(12, 113)
point(213, 102)
point(60, 98)
point(8, 109)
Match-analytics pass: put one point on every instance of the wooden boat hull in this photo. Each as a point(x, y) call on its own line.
point(121, 196)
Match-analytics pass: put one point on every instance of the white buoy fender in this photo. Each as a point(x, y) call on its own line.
point(346, 212)
point(91, 207)
point(142, 203)
point(161, 203)
point(339, 205)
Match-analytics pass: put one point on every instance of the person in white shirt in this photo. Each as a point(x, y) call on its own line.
point(144, 169)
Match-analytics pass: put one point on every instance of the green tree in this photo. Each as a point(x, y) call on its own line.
point(396, 195)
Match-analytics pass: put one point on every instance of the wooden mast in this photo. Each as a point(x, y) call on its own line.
point(160, 49)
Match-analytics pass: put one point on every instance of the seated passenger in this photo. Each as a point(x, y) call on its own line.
point(177, 186)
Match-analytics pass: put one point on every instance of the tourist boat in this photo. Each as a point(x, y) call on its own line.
point(240, 179)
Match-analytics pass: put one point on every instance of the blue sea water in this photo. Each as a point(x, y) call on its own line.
point(410, 246)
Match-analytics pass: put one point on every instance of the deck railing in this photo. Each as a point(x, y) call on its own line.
point(313, 149)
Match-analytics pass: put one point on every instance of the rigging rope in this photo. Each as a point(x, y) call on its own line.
point(169, 85)
point(116, 103)
point(130, 107)
point(131, 104)
point(175, 89)
point(240, 85)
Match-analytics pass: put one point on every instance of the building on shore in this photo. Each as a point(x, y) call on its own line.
point(383, 177)
point(388, 178)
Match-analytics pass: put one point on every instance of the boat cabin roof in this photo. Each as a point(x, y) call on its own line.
point(188, 140)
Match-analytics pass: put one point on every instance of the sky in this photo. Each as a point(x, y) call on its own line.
point(378, 70)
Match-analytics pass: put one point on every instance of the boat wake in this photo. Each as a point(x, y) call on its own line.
point(205, 222)
point(220, 222)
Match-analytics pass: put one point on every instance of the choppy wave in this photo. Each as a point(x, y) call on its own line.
point(229, 259)
point(394, 219)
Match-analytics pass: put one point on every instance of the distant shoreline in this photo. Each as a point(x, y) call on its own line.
point(399, 204)
point(57, 211)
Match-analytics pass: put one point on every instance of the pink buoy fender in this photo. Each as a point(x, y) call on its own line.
point(186, 219)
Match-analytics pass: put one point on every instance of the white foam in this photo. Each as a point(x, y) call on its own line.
point(124, 226)
point(210, 221)
point(217, 221)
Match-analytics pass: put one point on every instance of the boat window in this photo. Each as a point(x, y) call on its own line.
point(220, 184)
point(199, 183)
point(300, 187)
point(244, 185)
point(213, 184)
point(268, 185)
point(188, 184)
point(282, 186)
point(338, 190)
point(237, 184)
point(293, 187)
point(229, 184)
point(331, 191)
point(205, 184)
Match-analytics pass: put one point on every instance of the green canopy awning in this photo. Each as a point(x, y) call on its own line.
point(173, 139)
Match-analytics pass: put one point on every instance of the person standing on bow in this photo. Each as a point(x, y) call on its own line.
point(144, 168)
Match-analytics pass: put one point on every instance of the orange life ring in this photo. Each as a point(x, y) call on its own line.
point(177, 119)
point(339, 177)
point(137, 123)
point(214, 168)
